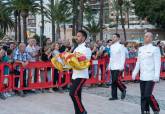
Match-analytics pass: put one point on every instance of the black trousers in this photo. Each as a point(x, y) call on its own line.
point(75, 94)
point(25, 83)
point(147, 99)
point(116, 83)
point(56, 75)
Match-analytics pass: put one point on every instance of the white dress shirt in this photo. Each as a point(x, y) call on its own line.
point(149, 63)
point(86, 52)
point(117, 57)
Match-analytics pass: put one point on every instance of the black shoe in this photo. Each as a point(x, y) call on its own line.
point(123, 94)
point(145, 112)
point(2, 96)
point(85, 112)
point(111, 99)
point(21, 94)
point(156, 112)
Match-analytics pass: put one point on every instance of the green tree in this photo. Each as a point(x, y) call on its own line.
point(60, 13)
point(23, 8)
point(115, 8)
point(152, 10)
point(77, 8)
point(120, 3)
point(6, 21)
point(93, 28)
point(127, 7)
point(101, 18)
point(42, 22)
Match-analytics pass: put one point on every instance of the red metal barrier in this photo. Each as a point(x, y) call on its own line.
point(41, 75)
point(99, 76)
point(128, 69)
point(5, 77)
point(162, 72)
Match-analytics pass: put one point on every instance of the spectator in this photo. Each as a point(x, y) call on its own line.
point(2, 54)
point(56, 72)
point(46, 55)
point(62, 46)
point(161, 47)
point(95, 59)
point(21, 57)
point(7, 59)
point(126, 50)
point(31, 50)
point(37, 48)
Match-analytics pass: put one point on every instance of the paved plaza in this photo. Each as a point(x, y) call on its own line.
point(95, 100)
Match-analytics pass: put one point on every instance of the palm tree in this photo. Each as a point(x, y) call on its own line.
point(6, 21)
point(16, 23)
point(60, 13)
point(81, 12)
point(52, 19)
point(23, 7)
point(127, 7)
point(26, 7)
point(93, 28)
point(120, 3)
point(77, 9)
point(13, 7)
point(115, 7)
point(75, 16)
point(42, 22)
point(101, 18)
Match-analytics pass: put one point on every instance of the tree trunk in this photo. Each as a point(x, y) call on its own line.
point(94, 37)
point(24, 30)
point(117, 21)
point(64, 31)
point(128, 17)
point(19, 27)
point(58, 31)
point(24, 15)
point(80, 21)
point(53, 22)
point(122, 23)
point(101, 18)
point(15, 26)
point(75, 15)
point(42, 23)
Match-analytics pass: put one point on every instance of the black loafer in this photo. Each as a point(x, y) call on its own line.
point(111, 99)
point(123, 95)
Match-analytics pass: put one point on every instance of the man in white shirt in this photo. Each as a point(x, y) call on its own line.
point(80, 76)
point(148, 63)
point(117, 61)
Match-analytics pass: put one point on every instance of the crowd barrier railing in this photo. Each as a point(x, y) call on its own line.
point(39, 75)
point(162, 72)
point(6, 80)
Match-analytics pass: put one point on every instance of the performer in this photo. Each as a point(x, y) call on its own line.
point(116, 65)
point(148, 62)
point(79, 76)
